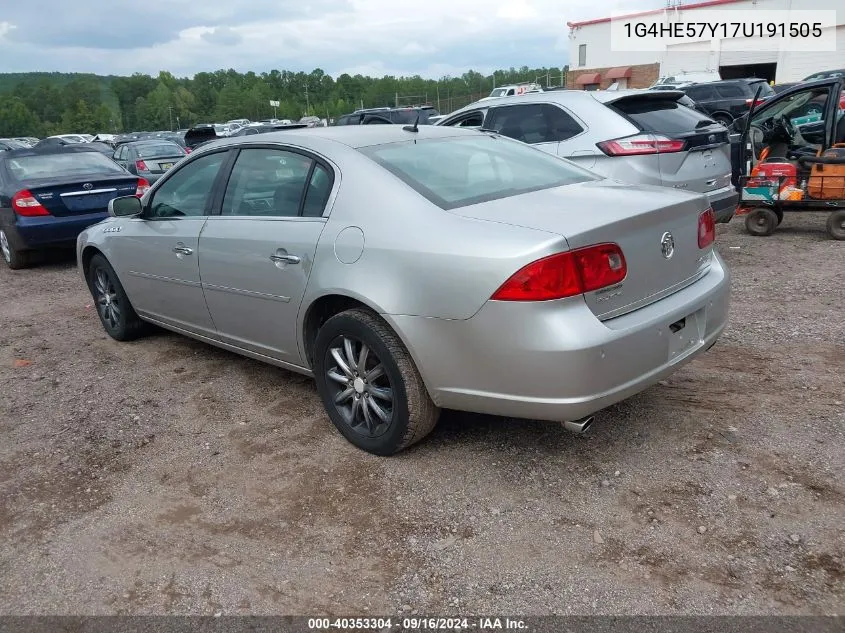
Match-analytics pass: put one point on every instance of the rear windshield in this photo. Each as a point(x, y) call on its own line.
point(766, 91)
point(159, 150)
point(658, 115)
point(70, 164)
point(459, 171)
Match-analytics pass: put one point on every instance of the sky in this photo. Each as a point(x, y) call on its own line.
point(431, 38)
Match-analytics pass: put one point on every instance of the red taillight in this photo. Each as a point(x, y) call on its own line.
point(187, 150)
point(641, 144)
point(143, 187)
point(141, 165)
point(24, 203)
point(756, 103)
point(566, 274)
point(706, 228)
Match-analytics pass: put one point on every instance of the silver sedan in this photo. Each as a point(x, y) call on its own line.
point(413, 269)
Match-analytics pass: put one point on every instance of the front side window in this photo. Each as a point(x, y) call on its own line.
point(533, 123)
point(471, 120)
point(267, 182)
point(188, 191)
point(463, 170)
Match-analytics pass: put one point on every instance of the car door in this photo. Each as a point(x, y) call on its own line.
point(256, 253)
point(156, 253)
point(120, 156)
point(810, 109)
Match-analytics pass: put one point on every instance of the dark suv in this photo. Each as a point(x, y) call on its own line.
point(388, 115)
point(728, 99)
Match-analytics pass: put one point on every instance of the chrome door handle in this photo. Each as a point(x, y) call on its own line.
point(183, 250)
point(285, 259)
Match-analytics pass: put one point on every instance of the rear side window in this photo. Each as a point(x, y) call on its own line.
point(459, 171)
point(658, 115)
point(700, 93)
point(533, 123)
point(731, 92)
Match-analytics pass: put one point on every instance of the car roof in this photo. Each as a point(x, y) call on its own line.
point(354, 136)
point(609, 96)
point(558, 96)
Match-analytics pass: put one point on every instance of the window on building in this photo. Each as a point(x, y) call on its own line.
point(582, 54)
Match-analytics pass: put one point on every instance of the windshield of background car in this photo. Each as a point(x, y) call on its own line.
point(459, 171)
point(498, 92)
point(766, 91)
point(159, 150)
point(807, 103)
point(70, 164)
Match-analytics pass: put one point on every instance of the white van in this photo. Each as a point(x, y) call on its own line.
point(685, 78)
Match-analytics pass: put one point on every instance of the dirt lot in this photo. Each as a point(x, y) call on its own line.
point(165, 476)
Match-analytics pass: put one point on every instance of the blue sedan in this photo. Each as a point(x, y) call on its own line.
point(49, 196)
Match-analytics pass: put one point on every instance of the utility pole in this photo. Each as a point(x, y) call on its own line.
point(170, 113)
point(396, 98)
point(438, 96)
point(307, 103)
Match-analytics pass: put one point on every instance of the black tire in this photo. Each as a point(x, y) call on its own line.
point(761, 222)
point(405, 418)
point(119, 319)
point(15, 257)
point(836, 225)
point(724, 119)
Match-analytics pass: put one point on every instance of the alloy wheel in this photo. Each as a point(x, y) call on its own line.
point(4, 247)
point(108, 304)
point(359, 386)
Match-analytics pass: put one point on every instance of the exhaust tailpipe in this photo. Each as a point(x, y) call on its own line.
point(578, 426)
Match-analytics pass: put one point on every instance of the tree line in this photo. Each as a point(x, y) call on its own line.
point(41, 104)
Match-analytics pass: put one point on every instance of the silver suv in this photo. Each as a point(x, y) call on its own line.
point(637, 136)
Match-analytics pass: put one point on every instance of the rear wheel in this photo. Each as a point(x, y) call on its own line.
point(761, 222)
point(117, 315)
point(369, 384)
point(724, 119)
point(836, 225)
point(14, 257)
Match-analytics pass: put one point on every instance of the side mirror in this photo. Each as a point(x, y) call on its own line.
point(125, 207)
point(738, 124)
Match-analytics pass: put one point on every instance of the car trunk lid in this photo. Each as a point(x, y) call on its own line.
point(84, 195)
point(159, 164)
point(656, 228)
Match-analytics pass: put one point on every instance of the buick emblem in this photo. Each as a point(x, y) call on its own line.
point(667, 245)
point(87, 186)
point(711, 139)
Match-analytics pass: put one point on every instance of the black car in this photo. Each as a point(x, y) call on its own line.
point(49, 195)
point(388, 115)
point(728, 99)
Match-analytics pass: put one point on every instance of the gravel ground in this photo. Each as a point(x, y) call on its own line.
point(166, 476)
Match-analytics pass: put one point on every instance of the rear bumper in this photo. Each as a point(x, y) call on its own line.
point(724, 203)
point(554, 360)
point(46, 231)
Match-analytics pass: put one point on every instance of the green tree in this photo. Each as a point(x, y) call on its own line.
point(16, 119)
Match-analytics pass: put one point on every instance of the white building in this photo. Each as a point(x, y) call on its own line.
point(594, 64)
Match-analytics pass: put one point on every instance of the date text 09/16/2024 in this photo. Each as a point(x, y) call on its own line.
point(417, 624)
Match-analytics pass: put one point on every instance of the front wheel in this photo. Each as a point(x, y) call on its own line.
point(116, 313)
point(836, 225)
point(761, 222)
point(369, 384)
